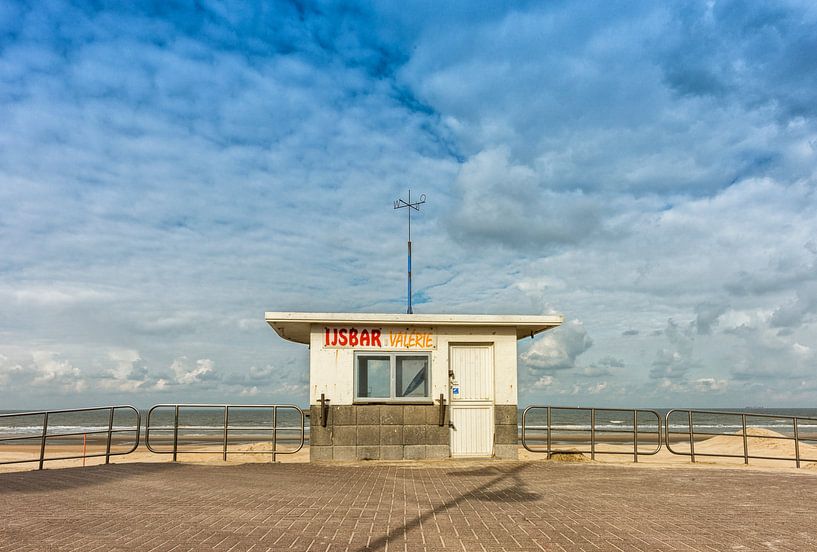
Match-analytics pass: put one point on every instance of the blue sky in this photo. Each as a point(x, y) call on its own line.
point(170, 171)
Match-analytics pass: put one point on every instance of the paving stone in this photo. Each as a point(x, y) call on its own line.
point(373, 506)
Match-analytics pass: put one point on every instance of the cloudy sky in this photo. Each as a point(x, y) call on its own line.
point(168, 173)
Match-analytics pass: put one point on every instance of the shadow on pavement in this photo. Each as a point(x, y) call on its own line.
point(73, 478)
point(489, 491)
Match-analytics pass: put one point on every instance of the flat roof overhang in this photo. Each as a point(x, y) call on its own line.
point(295, 326)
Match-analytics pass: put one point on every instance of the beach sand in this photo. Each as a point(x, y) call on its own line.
point(761, 442)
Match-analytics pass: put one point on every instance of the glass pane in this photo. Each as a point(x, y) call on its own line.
point(412, 376)
point(373, 377)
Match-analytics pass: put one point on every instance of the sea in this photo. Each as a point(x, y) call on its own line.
point(247, 424)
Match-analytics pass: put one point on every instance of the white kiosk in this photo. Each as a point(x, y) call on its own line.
point(411, 386)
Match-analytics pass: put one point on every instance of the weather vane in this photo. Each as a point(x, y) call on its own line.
point(399, 204)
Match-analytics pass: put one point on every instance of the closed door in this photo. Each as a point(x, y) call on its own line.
point(472, 400)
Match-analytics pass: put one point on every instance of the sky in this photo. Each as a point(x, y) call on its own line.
point(169, 171)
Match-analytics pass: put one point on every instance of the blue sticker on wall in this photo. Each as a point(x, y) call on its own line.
point(456, 391)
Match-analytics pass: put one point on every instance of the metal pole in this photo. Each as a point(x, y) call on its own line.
point(176, 433)
point(592, 433)
point(42, 443)
point(635, 435)
point(691, 437)
point(110, 434)
point(548, 434)
point(442, 410)
point(796, 443)
point(226, 423)
point(409, 311)
point(745, 440)
point(274, 431)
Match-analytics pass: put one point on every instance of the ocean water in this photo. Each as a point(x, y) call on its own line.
point(199, 425)
point(208, 424)
point(717, 422)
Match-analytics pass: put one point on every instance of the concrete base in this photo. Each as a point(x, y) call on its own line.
point(397, 432)
point(379, 432)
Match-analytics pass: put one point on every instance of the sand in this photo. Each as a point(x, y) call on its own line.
point(761, 442)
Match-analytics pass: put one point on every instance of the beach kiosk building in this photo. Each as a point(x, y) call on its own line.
point(411, 386)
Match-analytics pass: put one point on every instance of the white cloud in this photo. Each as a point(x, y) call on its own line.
point(557, 349)
point(186, 375)
point(647, 164)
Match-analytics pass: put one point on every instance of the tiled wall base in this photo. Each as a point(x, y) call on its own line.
point(396, 432)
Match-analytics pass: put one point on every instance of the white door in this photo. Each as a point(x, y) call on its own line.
point(472, 400)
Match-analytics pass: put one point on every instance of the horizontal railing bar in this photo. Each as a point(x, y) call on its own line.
point(597, 451)
point(66, 411)
point(225, 430)
point(44, 434)
point(76, 434)
point(740, 435)
point(231, 428)
point(747, 414)
point(633, 431)
point(186, 405)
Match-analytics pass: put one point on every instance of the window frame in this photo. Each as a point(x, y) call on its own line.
point(392, 398)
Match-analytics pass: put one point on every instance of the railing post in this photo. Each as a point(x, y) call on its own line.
point(635, 435)
point(548, 431)
point(226, 423)
point(691, 436)
point(796, 443)
point(175, 432)
point(110, 434)
point(592, 433)
point(745, 440)
point(42, 443)
point(274, 431)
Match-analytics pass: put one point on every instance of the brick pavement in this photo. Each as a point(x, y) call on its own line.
point(490, 506)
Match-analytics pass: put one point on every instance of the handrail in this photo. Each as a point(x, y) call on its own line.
point(593, 430)
point(43, 435)
point(691, 433)
point(275, 428)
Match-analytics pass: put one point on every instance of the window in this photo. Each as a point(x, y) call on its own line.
point(391, 377)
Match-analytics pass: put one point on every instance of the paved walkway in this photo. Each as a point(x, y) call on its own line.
point(491, 506)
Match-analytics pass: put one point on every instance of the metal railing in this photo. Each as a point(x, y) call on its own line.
point(241, 431)
point(43, 433)
point(796, 438)
point(578, 434)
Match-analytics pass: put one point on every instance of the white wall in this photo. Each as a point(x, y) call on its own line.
point(331, 371)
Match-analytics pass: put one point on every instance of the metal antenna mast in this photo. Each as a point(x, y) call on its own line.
point(399, 204)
